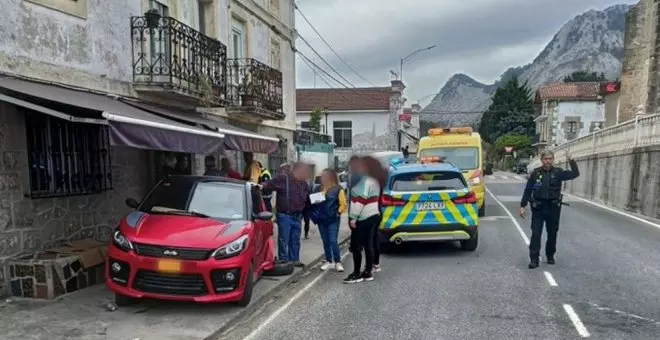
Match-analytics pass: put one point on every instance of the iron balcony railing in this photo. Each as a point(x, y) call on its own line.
point(310, 137)
point(170, 54)
point(254, 84)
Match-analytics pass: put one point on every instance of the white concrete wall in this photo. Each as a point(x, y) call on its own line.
point(588, 111)
point(44, 43)
point(321, 160)
point(369, 130)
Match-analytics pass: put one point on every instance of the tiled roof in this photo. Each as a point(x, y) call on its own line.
point(367, 98)
point(586, 90)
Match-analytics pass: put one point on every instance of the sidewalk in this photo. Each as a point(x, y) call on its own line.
point(83, 315)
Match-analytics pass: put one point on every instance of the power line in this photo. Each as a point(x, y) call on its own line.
point(324, 61)
point(320, 69)
point(330, 47)
point(316, 73)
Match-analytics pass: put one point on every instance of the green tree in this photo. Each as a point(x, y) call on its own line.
point(584, 76)
point(315, 120)
point(510, 113)
point(521, 144)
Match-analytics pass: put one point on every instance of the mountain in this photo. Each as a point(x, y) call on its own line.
point(592, 41)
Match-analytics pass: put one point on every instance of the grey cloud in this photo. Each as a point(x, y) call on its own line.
point(476, 32)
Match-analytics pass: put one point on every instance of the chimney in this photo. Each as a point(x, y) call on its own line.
point(416, 108)
point(397, 86)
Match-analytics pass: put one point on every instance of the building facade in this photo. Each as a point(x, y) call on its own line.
point(96, 96)
point(360, 121)
point(567, 111)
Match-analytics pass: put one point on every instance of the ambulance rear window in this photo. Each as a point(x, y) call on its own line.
point(428, 181)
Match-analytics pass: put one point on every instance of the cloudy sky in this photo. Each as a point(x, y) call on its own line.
point(481, 38)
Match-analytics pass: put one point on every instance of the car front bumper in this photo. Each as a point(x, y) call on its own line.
point(207, 281)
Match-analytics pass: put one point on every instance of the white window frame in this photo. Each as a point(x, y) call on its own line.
point(343, 130)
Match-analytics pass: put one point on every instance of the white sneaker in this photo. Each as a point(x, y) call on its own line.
point(339, 267)
point(327, 265)
point(376, 269)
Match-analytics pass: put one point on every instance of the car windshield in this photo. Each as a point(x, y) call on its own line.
point(217, 200)
point(465, 158)
point(428, 181)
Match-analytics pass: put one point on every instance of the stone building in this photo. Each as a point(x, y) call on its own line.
point(640, 72)
point(567, 111)
point(95, 96)
point(360, 120)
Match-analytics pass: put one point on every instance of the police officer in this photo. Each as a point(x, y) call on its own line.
point(543, 192)
point(265, 176)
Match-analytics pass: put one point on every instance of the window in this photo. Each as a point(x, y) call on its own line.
point(275, 60)
point(464, 158)
point(429, 181)
point(66, 158)
point(342, 133)
point(202, 16)
point(304, 125)
point(184, 197)
point(160, 41)
point(572, 127)
point(77, 8)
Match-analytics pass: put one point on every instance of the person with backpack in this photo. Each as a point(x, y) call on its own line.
point(326, 215)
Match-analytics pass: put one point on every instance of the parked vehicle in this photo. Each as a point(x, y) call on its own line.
point(521, 168)
point(430, 202)
point(462, 147)
point(193, 238)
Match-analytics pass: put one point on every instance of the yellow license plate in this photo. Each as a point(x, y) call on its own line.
point(169, 266)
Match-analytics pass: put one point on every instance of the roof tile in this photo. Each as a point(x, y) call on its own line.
point(583, 90)
point(366, 98)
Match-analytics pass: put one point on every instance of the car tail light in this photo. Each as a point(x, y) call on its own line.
point(476, 177)
point(467, 199)
point(386, 200)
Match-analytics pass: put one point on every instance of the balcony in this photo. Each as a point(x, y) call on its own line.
point(175, 62)
point(254, 89)
point(305, 137)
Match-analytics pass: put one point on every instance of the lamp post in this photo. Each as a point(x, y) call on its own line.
point(403, 60)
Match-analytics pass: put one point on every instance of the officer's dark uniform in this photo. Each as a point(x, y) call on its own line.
point(543, 192)
point(265, 176)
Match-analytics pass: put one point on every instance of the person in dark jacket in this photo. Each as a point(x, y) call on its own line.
point(211, 167)
point(326, 215)
point(543, 192)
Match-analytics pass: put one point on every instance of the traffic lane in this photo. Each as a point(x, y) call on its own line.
point(433, 292)
point(608, 268)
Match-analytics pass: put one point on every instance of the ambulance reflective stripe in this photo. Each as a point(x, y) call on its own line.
point(394, 216)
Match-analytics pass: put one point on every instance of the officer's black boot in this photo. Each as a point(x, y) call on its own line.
point(534, 263)
point(551, 259)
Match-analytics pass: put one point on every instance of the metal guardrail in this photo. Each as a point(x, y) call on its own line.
point(644, 130)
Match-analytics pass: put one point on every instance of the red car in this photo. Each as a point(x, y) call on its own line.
point(192, 238)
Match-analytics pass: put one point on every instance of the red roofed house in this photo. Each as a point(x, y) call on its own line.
point(567, 111)
point(359, 120)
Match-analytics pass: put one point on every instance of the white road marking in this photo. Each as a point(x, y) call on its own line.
point(577, 323)
point(551, 280)
point(622, 213)
point(504, 177)
point(513, 219)
point(288, 304)
point(490, 176)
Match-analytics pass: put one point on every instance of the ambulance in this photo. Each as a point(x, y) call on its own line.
point(461, 147)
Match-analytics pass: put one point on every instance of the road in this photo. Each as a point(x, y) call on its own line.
point(605, 285)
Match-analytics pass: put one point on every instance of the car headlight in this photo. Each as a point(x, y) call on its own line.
point(121, 242)
point(232, 249)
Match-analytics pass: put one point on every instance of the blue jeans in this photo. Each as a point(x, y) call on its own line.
point(288, 237)
point(329, 233)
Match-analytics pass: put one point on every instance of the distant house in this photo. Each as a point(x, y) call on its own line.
point(566, 111)
point(359, 120)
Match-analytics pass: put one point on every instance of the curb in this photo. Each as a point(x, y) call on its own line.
point(255, 304)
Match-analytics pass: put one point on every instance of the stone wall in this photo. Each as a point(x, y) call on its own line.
point(640, 27)
point(27, 224)
point(628, 180)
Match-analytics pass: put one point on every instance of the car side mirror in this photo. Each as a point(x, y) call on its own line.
point(263, 216)
point(132, 203)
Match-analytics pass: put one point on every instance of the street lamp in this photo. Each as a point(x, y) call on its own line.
point(403, 60)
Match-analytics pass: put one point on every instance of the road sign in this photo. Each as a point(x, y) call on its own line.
point(508, 148)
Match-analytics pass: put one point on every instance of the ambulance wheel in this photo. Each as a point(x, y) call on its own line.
point(482, 210)
point(472, 243)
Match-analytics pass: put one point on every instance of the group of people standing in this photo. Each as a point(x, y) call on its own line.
point(293, 189)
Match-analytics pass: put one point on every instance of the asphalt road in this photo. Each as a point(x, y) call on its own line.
point(605, 285)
